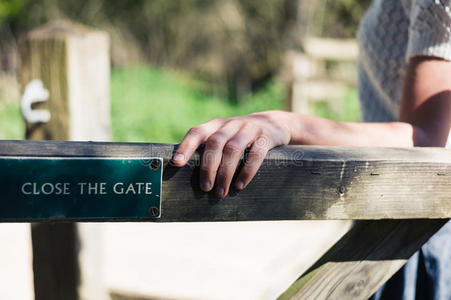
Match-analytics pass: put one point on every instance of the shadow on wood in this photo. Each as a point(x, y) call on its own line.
point(55, 261)
point(366, 257)
point(294, 182)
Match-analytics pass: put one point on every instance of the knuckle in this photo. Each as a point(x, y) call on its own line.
point(236, 122)
point(208, 158)
point(252, 164)
point(259, 151)
point(215, 141)
point(251, 127)
point(260, 131)
point(262, 142)
point(205, 169)
point(197, 130)
point(217, 120)
point(232, 147)
point(255, 158)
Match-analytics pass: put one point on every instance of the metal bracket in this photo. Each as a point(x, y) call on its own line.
point(34, 92)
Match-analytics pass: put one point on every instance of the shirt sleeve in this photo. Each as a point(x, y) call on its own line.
point(430, 29)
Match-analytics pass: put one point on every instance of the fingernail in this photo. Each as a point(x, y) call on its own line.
point(205, 185)
point(179, 157)
point(220, 192)
point(240, 185)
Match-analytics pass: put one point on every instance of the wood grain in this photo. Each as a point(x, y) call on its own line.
point(45, 57)
point(366, 257)
point(294, 182)
point(73, 63)
point(55, 261)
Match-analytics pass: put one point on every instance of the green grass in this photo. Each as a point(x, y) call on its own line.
point(347, 110)
point(12, 126)
point(154, 105)
point(160, 106)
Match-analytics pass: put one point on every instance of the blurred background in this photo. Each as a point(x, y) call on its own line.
point(183, 62)
point(174, 65)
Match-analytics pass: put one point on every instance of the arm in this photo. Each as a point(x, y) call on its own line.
point(424, 121)
point(425, 114)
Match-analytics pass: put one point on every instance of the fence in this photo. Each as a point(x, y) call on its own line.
point(323, 72)
point(401, 196)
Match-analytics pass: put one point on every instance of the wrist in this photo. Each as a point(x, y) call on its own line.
point(290, 123)
point(298, 128)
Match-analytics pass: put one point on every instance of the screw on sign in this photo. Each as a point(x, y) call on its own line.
point(341, 190)
point(154, 211)
point(155, 164)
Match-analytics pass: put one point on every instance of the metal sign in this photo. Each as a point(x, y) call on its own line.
point(80, 189)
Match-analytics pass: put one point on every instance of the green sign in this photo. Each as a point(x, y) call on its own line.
point(80, 189)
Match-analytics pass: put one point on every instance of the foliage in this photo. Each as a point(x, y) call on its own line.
point(235, 44)
point(341, 17)
point(150, 104)
point(12, 126)
point(160, 106)
point(348, 110)
point(10, 9)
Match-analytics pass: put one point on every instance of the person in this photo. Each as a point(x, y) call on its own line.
point(404, 84)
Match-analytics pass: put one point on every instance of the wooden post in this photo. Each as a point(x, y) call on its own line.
point(307, 81)
point(72, 62)
point(308, 78)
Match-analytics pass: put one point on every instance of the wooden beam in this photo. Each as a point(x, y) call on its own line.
point(294, 182)
point(332, 49)
point(56, 273)
point(72, 62)
point(365, 258)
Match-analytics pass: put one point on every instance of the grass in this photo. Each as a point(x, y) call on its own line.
point(160, 106)
point(12, 126)
point(348, 110)
point(154, 105)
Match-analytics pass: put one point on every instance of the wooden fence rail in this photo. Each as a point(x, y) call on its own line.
point(377, 185)
point(381, 186)
point(294, 182)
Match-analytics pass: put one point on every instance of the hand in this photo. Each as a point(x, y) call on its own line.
point(225, 143)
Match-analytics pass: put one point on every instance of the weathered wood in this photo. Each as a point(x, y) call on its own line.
point(72, 61)
point(309, 78)
point(366, 257)
point(56, 273)
point(332, 49)
point(294, 182)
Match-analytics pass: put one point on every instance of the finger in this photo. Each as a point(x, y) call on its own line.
point(211, 158)
point(257, 154)
point(233, 152)
point(193, 138)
